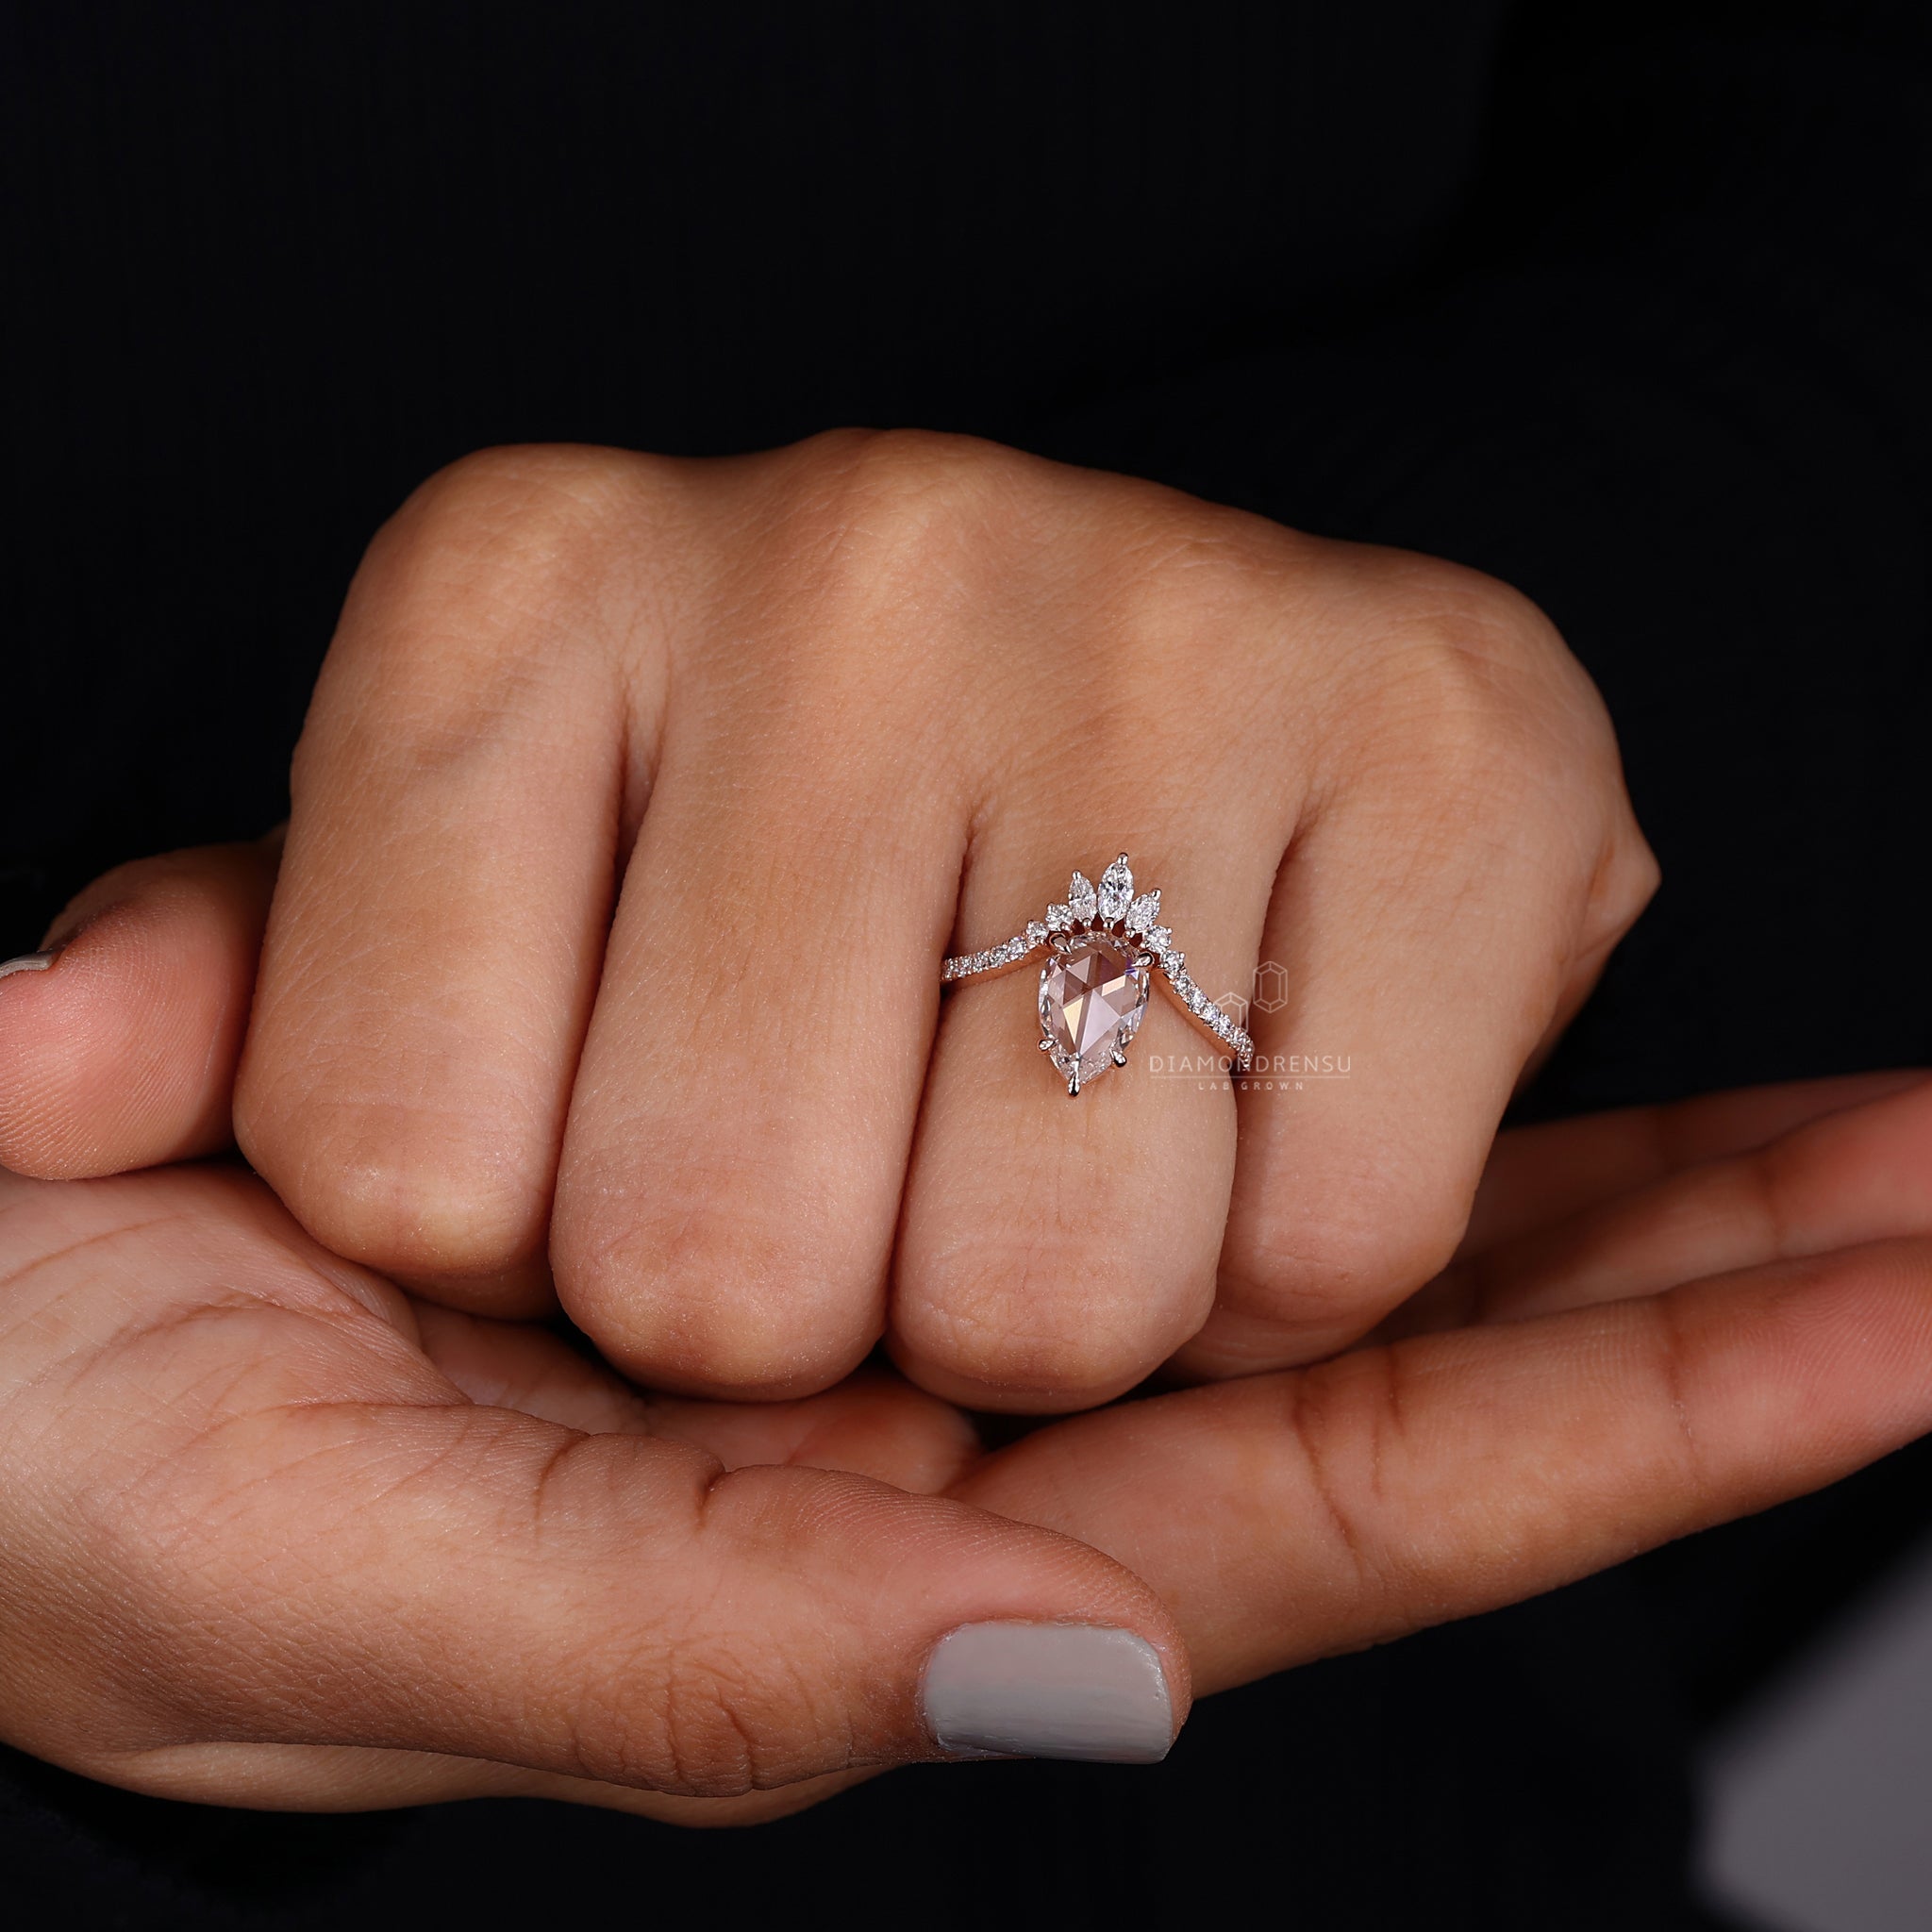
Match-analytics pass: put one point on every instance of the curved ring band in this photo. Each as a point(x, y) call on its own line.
point(1105, 946)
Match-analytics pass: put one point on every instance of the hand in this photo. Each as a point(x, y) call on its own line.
point(1663, 1318)
point(273, 1534)
point(805, 718)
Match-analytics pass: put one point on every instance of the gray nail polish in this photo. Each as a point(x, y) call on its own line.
point(1078, 1691)
point(30, 962)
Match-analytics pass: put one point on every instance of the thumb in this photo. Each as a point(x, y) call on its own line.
point(119, 1041)
point(479, 1584)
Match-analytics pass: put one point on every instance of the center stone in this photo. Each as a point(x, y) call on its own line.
point(1091, 1002)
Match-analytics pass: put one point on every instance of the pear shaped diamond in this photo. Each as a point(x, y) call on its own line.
point(1092, 998)
point(1106, 945)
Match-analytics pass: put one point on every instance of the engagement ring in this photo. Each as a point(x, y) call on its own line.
point(1105, 945)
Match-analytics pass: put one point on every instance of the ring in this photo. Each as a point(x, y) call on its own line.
point(1107, 945)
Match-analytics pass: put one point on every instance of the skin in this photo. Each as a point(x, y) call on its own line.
point(274, 1532)
point(639, 800)
point(284, 1528)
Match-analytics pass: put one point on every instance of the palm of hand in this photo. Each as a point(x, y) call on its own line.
point(277, 1534)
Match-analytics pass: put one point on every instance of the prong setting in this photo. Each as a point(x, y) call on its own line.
point(1103, 945)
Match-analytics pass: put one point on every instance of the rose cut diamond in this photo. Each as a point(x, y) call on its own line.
point(1107, 945)
point(1092, 998)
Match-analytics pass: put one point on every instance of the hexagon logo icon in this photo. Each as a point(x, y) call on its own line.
point(1271, 987)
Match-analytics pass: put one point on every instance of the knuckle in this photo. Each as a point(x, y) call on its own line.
point(1331, 1272)
point(877, 518)
point(493, 571)
point(871, 549)
point(1019, 1320)
point(1481, 613)
point(645, 1274)
point(1476, 727)
point(505, 535)
point(911, 482)
point(401, 1191)
point(1477, 677)
point(522, 504)
point(894, 546)
point(1491, 752)
point(1461, 707)
point(1194, 571)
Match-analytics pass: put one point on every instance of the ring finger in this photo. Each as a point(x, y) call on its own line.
point(1053, 1251)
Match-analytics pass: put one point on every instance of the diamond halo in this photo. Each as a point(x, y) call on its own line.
point(1105, 944)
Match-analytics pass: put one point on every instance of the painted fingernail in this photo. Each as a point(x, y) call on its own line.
point(30, 962)
point(1080, 1690)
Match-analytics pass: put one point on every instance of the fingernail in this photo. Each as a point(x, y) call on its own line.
point(30, 962)
point(1080, 1690)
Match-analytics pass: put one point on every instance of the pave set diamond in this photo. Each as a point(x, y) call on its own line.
point(1105, 944)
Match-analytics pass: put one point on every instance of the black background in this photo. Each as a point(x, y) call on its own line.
point(1628, 306)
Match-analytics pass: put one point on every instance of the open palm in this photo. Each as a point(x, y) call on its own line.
point(274, 1533)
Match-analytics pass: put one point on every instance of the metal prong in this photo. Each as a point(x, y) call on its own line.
point(1120, 1058)
point(1045, 1044)
point(1074, 1083)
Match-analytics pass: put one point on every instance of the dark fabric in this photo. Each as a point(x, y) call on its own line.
point(1626, 305)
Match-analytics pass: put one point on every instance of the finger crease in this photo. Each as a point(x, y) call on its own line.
point(1322, 1482)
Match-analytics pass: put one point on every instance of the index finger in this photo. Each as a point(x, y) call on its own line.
point(1290, 1516)
point(433, 950)
point(1540, 1175)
